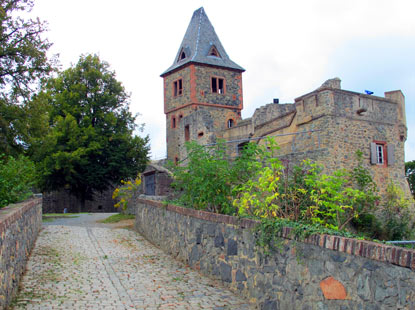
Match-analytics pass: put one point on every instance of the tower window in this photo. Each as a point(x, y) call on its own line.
point(187, 132)
point(231, 123)
point(200, 134)
point(182, 55)
point(218, 85)
point(178, 87)
point(213, 52)
point(380, 155)
point(173, 122)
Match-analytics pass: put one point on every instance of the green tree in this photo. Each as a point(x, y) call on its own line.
point(91, 143)
point(17, 176)
point(23, 63)
point(410, 175)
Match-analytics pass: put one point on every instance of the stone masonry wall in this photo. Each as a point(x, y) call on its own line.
point(56, 202)
point(19, 227)
point(324, 272)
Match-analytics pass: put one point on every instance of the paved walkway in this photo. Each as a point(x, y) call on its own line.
point(80, 264)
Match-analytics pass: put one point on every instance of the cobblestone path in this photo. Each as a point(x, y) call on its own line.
point(87, 267)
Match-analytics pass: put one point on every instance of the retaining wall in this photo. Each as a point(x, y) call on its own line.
point(324, 272)
point(19, 227)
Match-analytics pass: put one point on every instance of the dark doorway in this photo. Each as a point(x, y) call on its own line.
point(150, 184)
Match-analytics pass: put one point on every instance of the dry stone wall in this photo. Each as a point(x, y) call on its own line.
point(19, 227)
point(324, 272)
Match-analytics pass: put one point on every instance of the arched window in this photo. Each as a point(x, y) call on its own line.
point(182, 55)
point(231, 123)
point(213, 52)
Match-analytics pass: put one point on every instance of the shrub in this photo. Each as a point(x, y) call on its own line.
point(305, 194)
point(17, 177)
point(209, 175)
point(125, 192)
point(397, 215)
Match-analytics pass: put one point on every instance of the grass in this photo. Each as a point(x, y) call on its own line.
point(49, 217)
point(117, 218)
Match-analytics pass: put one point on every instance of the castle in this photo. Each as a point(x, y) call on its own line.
point(203, 100)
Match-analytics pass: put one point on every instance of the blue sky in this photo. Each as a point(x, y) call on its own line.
point(288, 48)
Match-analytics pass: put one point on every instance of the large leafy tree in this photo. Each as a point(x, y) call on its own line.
point(91, 142)
point(23, 63)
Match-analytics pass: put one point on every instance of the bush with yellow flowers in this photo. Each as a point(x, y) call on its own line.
point(125, 192)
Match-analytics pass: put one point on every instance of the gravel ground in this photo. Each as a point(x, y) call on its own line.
point(80, 264)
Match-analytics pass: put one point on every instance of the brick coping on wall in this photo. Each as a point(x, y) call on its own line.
point(12, 213)
point(367, 249)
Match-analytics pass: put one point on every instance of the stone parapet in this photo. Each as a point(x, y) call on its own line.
point(19, 227)
point(323, 272)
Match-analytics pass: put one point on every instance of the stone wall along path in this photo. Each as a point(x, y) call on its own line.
point(81, 265)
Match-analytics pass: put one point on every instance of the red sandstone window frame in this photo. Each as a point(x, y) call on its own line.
point(177, 87)
point(215, 85)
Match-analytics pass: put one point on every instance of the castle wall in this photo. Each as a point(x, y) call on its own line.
point(323, 272)
point(328, 126)
point(19, 227)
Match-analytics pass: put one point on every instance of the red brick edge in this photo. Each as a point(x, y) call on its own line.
point(11, 213)
point(367, 249)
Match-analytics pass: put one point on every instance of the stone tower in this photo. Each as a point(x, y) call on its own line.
point(202, 89)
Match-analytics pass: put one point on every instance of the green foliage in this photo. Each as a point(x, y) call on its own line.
point(334, 198)
point(91, 142)
point(125, 192)
point(207, 179)
point(397, 215)
point(259, 196)
point(17, 176)
point(305, 194)
point(23, 63)
point(410, 175)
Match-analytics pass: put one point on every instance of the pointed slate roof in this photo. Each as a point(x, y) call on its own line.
point(197, 44)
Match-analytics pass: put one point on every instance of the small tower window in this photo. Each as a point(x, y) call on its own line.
point(178, 87)
point(231, 123)
point(218, 85)
point(200, 134)
point(187, 132)
point(182, 55)
point(213, 52)
point(173, 122)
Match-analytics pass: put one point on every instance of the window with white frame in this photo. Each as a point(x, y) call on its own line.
point(380, 156)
